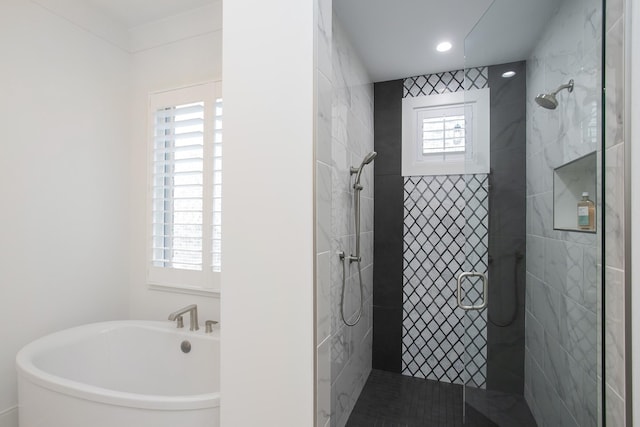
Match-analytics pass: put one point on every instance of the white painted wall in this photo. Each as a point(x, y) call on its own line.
point(168, 54)
point(267, 279)
point(64, 182)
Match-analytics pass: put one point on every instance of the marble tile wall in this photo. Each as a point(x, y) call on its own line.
point(446, 225)
point(344, 135)
point(561, 343)
point(614, 256)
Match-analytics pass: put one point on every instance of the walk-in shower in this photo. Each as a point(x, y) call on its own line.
point(530, 357)
point(357, 257)
point(549, 100)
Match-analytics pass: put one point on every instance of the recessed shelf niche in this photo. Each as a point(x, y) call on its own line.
point(569, 182)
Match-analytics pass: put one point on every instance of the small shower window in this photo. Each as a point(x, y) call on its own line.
point(446, 134)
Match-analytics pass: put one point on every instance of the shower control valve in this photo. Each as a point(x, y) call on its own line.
point(350, 258)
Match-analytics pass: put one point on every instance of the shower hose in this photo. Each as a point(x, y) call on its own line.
point(353, 258)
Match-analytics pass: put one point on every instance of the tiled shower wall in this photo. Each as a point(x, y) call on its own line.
point(561, 356)
point(446, 232)
point(445, 224)
point(344, 135)
point(614, 256)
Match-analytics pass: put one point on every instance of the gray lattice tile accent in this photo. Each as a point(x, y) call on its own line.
point(450, 81)
point(445, 233)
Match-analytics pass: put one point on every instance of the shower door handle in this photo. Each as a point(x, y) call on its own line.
point(485, 291)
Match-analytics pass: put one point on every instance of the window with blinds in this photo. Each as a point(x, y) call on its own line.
point(216, 250)
point(186, 188)
point(178, 178)
point(444, 134)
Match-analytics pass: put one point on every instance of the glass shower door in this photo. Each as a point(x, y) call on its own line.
point(473, 298)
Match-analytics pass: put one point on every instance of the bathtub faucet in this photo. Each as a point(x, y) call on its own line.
point(192, 310)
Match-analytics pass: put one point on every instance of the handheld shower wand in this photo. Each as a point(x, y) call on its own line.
point(357, 188)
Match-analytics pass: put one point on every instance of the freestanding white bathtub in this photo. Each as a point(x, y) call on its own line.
point(120, 374)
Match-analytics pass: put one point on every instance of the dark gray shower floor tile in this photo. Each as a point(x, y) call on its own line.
point(393, 400)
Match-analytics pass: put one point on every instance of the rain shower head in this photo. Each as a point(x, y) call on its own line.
point(549, 100)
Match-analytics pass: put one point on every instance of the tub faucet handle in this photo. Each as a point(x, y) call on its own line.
point(208, 326)
point(193, 312)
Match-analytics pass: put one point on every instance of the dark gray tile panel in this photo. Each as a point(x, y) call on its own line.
point(388, 127)
point(507, 228)
point(387, 252)
point(387, 339)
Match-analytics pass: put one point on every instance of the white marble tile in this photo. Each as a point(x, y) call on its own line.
point(534, 338)
point(539, 210)
point(366, 215)
point(355, 137)
point(615, 408)
point(346, 391)
point(614, 81)
point(615, 9)
point(547, 306)
point(325, 17)
point(323, 207)
point(528, 215)
point(614, 324)
point(323, 382)
point(340, 351)
point(339, 109)
point(323, 296)
point(323, 123)
point(565, 376)
point(614, 207)
point(544, 396)
point(590, 278)
point(366, 248)
point(342, 219)
point(578, 329)
point(536, 177)
point(351, 129)
point(341, 161)
point(590, 402)
point(564, 268)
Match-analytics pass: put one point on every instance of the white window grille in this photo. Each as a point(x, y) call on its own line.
point(186, 188)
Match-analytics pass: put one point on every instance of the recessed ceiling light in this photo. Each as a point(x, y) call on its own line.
point(508, 74)
point(444, 46)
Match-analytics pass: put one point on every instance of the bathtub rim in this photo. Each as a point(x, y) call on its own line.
point(28, 371)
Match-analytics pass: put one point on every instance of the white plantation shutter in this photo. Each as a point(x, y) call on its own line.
point(178, 170)
point(216, 249)
point(185, 202)
point(443, 134)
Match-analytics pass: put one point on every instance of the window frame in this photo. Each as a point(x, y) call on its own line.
point(205, 282)
point(475, 158)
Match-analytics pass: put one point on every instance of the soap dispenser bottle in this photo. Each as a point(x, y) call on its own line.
point(586, 213)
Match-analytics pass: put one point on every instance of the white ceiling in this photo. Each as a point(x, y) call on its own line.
point(133, 13)
point(397, 38)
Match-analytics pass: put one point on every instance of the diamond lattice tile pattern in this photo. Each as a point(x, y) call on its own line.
point(450, 81)
point(445, 233)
